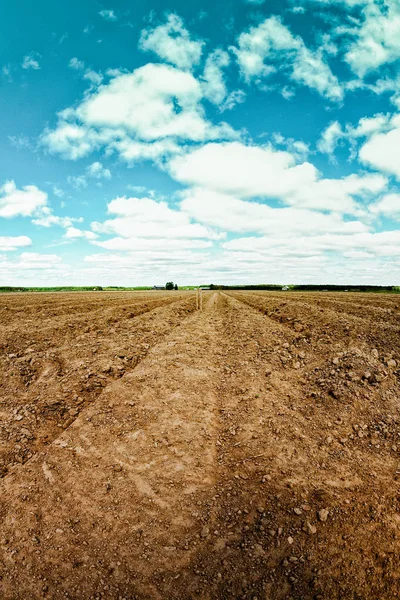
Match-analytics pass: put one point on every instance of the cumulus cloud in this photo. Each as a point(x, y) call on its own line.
point(172, 43)
point(154, 103)
point(147, 218)
point(23, 202)
point(271, 46)
point(380, 151)
point(222, 210)
point(252, 171)
point(9, 243)
point(377, 41)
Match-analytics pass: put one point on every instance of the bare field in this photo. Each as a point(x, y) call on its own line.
point(151, 451)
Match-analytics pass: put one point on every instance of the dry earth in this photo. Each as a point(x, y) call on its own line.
point(151, 451)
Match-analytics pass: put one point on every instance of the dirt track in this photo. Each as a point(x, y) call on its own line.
point(249, 450)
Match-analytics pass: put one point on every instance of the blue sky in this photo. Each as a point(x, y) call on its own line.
point(231, 142)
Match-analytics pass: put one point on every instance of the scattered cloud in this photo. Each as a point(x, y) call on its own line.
point(21, 142)
point(330, 138)
point(97, 171)
point(377, 41)
point(79, 182)
point(31, 61)
point(172, 43)
point(270, 47)
point(77, 64)
point(89, 74)
point(108, 15)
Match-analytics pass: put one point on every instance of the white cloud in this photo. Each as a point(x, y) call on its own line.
point(222, 210)
point(109, 15)
point(147, 218)
point(34, 261)
point(377, 41)
point(271, 45)
point(253, 171)
point(386, 243)
point(165, 244)
point(330, 137)
point(154, 103)
point(79, 182)
point(245, 171)
point(89, 74)
point(388, 206)
point(93, 77)
point(381, 150)
point(214, 87)
point(58, 192)
point(44, 217)
point(73, 233)
point(70, 140)
point(24, 202)
point(31, 61)
point(8, 243)
point(172, 42)
point(77, 64)
point(97, 171)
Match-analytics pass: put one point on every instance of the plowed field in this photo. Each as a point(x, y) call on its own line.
point(152, 451)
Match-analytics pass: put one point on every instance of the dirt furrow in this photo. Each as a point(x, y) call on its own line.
point(125, 486)
point(43, 389)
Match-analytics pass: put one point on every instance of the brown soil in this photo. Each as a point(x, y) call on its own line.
point(249, 450)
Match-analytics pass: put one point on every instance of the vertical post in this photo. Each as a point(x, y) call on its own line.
point(197, 299)
point(201, 298)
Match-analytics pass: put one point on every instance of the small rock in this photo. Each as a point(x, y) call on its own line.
point(204, 532)
point(311, 529)
point(297, 511)
point(268, 372)
point(335, 361)
point(296, 365)
point(374, 353)
point(290, 540)
point(323, 515)
point(391, 363)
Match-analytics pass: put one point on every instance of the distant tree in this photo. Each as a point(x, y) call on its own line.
point(176, 286)
point(169, 285)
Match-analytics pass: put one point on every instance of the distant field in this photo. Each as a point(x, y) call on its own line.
point(92, 288)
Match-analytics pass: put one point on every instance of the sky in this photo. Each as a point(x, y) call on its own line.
point(243, 141)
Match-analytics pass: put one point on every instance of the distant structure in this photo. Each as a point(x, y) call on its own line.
point(205, 288)
point(158, 287)
point(285, 288)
